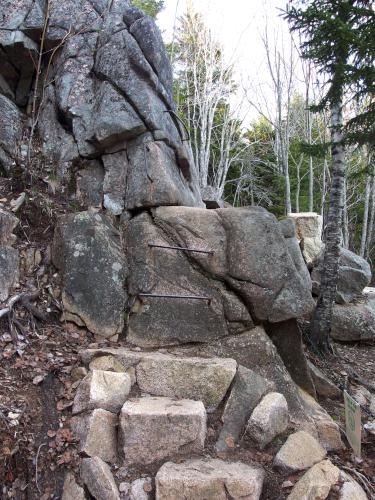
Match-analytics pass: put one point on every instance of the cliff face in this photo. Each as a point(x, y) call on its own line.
point(104, 103)
point(167, 287)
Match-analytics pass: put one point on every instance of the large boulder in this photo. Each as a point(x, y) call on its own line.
point(354, 276)
point(354, 322)
point(108, 91)
point(88, 253)
point(242, 264)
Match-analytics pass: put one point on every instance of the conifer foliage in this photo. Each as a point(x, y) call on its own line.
point(339, 37)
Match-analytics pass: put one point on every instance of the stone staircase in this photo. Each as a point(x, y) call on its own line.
point(155, 424)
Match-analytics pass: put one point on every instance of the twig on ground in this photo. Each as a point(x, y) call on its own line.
point(36, 465)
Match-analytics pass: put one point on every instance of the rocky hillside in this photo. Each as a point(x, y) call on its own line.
point(170, 334)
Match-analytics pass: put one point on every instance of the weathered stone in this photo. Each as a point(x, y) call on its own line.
point(254, 350)
point(115, 118)
point(316, 483)
point(299, 263)
point(288, 340)
point(299, 452)
point(307, 224)
point(209, 479)
point(350, 490)
point(153, 179)
point(309, 227)
point(354, 276)
point(267, 281)
point(288, 228)
point(11, 123)
point(9, 270)
point(141, 489)
point(116, 168)
point(154, 321)
point(98, 478)
point(323, 385)
point(354, 322)
point(156, 428)
point(90, 184)
point(211, 197)
point(58, 146)
point(8, 223)
point(108, 364)
point(102, 389)
point(151, 43)
point(247, 390)
point(78, 373)
point(269, 419)
point(319, 424)
point(88, 253)
point(71, 490)
point(97, 434)
point(186, 378)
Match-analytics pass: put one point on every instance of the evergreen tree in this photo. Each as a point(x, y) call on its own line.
point(150, 7)
point(338, 36)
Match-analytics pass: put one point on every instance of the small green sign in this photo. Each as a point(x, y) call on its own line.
point(353, 423)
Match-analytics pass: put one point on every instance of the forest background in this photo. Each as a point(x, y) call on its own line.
point(258, 142)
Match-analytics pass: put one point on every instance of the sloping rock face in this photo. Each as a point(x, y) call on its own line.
point(107, 96)
point(247, 269)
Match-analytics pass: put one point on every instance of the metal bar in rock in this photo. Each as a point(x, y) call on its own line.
point(169, 296)
point(210, 252)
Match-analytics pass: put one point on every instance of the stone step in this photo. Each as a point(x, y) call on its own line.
point(158, 428)
point(209, 479)
point(159, 374)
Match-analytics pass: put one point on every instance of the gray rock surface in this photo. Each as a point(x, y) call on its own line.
point(98, 478)
point(288, 340)
point(9, 270)
point(97, 434)
point(323, 385)
point(8, 222)
point(247, 390)
point(88, 253)
point(316, 483)
point(354, 276)
point(269, 419)
point(354, 322)
point(205, 380)
point(72, 490)
point(239, 276)
point(11, 124)
point(209, 479)
point(255, 350)
point(299, 452)
point(108, 85)
point(157, 428)
point(102, 389)
point(308, 226)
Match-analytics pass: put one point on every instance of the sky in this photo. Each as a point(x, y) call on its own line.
point(238, 26)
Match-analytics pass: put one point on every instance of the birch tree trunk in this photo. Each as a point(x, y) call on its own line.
point(365, 216)
point(321, 323)
point(345, 222)
point(372, 214)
